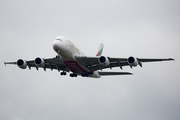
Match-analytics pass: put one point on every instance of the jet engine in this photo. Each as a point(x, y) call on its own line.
point(22, 64)
point(132, 61)
point(39, 62)
point(104, 61)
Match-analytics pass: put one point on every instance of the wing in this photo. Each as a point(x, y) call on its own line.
point(50, 63)
point(92, 63)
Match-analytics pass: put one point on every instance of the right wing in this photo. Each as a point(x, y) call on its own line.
point(50, 63)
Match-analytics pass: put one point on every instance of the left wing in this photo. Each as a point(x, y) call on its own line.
point(99, 63)
point(50, 63)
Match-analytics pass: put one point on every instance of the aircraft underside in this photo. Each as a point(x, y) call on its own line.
point(71, 59)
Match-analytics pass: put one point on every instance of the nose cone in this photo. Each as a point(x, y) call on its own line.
point(56, 45)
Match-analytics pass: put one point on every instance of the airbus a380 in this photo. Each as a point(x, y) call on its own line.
point(71, 59)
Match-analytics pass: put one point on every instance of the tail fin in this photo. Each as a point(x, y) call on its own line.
point(100, 50)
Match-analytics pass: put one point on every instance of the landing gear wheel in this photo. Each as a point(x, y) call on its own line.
point(90, 73)
point(84, 74)
point(73, 75)
point(63, 73)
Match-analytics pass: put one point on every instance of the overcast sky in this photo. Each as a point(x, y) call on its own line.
point(141, 28)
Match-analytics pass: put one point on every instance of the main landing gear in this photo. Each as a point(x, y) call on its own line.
point(63, 73)
point(73, 75)
point(86, 74)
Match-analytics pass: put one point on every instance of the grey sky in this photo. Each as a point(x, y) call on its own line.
point(149, 29)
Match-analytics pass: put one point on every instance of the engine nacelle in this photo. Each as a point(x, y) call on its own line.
point(104, 61)
point(22, 64)
point(39, 62)
point(132, 61)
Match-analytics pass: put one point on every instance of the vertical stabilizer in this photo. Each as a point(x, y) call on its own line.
point(100, 50)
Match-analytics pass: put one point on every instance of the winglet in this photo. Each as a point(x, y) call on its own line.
point(172, 59)
point(100, 50)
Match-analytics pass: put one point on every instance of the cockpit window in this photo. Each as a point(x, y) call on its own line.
point(59, 39)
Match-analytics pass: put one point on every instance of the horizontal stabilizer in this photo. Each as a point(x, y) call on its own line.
point(114, 73)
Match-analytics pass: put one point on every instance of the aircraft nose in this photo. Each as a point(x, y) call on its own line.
point(56, 46)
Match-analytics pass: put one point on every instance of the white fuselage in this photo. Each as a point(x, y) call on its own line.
point(67, 50)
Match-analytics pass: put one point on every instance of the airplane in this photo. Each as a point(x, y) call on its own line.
point(70, 59)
